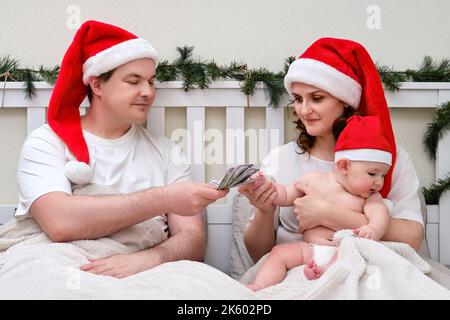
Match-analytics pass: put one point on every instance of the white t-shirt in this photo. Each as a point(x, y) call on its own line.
point(286, 165)
point(137, 160)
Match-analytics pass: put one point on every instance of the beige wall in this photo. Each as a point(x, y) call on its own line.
point(260, 33)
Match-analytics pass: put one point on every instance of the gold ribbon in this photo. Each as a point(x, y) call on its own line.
point(7, 75)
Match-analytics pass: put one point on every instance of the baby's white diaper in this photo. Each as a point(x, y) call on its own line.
point(322, 254)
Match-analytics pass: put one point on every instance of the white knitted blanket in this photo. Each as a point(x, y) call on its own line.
point(365, 269)
point(31, 267)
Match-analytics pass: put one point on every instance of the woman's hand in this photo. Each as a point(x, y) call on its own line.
point(121, 265)
point(260, 193)
point(310, 211)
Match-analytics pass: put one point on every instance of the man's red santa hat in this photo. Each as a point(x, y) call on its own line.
point(363, 140)
point(96, 49)
point(344, 69)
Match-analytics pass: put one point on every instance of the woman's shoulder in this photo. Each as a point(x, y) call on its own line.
point(284, 162)
point(402, 155)
point(401, 150)
point(404, 174)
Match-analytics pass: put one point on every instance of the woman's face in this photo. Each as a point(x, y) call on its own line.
point(317, 109)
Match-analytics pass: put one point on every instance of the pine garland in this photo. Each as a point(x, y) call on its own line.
point(436, 128)
point(434, 132)
point(433, 193)
point(390, 78)
point(429, 71)
point(197, 73)
point(10, 71)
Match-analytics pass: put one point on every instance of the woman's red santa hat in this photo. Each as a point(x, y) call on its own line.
point(344, 69)
point(96, 48)
point(363, 140)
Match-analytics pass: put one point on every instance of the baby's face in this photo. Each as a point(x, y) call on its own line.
point(365, 178)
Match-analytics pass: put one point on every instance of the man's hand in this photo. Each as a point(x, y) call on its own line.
point(122, 265)
point(189, 198)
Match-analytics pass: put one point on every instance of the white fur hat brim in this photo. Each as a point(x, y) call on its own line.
point(118, 55)
point(324, 77)
point(373, 155)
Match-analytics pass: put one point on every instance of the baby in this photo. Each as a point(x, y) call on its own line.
point(362, 159)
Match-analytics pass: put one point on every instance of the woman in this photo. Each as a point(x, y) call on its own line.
point(333, 79)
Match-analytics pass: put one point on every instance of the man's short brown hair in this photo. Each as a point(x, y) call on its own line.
point(103, 77)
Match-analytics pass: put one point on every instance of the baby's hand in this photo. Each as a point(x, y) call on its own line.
point(250, 188)
point(261, 193)
point(366, 232)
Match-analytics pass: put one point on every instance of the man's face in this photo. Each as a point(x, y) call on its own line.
point(130, 92)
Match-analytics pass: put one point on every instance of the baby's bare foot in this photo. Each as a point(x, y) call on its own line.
point(312, 271)
point(254, 286)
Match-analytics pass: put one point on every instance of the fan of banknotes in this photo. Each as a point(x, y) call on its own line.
point(236, 176)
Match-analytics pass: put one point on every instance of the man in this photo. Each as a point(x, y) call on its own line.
point(109, 148)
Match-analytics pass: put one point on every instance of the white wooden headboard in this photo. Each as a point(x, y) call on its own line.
point(227, 94)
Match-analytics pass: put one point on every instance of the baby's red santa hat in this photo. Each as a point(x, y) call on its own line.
point(344, 69)
point(363, 139)
point(96, 48)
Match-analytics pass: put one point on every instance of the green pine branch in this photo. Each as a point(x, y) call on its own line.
point(390, 78)
point(7, 64)
point(10, 71)
point(287, 62)
point(166, 72)
point(430, 71)
point(436, 128)
point(433, 193)
point(197, 73)
point(49, 75)
point(273, 83)
point(28, 77)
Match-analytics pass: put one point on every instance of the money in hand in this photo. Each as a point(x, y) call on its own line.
point(236, 176)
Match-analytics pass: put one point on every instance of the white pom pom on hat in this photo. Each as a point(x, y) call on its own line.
point(78, 172)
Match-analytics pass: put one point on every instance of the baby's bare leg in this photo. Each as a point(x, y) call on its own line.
point(282, 258)
point(313, 271)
